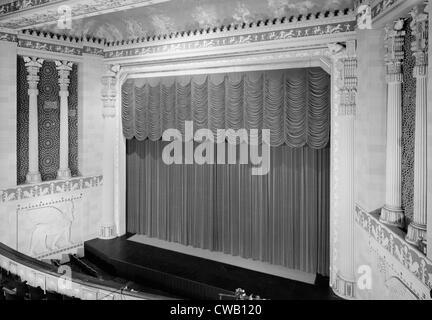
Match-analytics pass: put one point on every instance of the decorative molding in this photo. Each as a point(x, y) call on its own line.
point(9, 37)
point(348, 86)
point(302, 27)
point(394, 51)
point(28, 13)
point(420, 30)
point(64, 69)
point(346, 64)
point(33, 66)
point(49, 188)
point(49, 47)
point(109, 90)
point(392, 242)
point(166, 46)
point(93, 51)
point(383, 6)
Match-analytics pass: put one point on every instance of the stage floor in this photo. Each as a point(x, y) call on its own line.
point(192, 277)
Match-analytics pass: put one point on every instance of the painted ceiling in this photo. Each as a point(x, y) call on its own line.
point(185, 15)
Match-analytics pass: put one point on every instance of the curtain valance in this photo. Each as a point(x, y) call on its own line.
point(294, 104)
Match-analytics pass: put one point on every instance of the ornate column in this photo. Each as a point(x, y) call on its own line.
point(109, 97)
point(33, 66)
point(64, 69)
point(345, 77)
point(420, 29)
point(392, 213)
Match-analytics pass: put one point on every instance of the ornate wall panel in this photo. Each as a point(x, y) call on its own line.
point(49, 122)
point(73, 121)
point(22, 122)
point(408, 125)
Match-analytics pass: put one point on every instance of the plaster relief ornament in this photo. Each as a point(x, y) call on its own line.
point(336, 48)
point(419, 27)
point(364, 18)
point(51, 228)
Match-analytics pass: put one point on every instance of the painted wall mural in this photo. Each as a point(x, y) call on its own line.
point(185, 15)
point(49, 122)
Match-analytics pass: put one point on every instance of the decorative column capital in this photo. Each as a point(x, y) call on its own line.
point(347, 81)
point(109, 90)
point(33, 66)
point(420, 30)
point(394, 54)
point(64, 69)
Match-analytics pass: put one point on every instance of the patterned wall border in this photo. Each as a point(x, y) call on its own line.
point(30, 40)
point(413, 260)
point(10, 37)
point(93, 51)
point(50, 47)
point(49, 188)
point(293, 33)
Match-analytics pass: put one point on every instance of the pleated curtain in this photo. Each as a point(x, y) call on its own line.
point(292, 104)
point(281, 218)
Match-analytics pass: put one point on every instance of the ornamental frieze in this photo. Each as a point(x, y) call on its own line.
point(320, 30)
point(49, 188)
point(93, 51)
point(50, 47)
point(394, 244)
point(4, 36)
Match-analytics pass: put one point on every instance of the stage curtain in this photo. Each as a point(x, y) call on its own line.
point(294, 104)
point(281, 218)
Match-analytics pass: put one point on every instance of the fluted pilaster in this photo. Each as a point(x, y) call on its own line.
point(419, 27)
point(33, 66)
point(346, 78)
point(64, 69)
point(109, 98)
point(392, 213)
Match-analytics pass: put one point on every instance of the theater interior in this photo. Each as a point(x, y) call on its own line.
point(215, 150)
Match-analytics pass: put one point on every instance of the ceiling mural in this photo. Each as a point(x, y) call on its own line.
point(185, 15)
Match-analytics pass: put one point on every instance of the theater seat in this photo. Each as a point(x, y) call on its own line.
point(11, 295)
point(53, 296)
point(36, 293)
point(69, 298)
